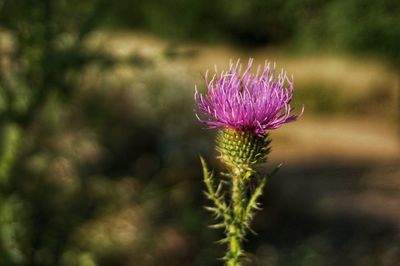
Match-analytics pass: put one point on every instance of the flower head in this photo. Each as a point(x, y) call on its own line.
point(244, 101)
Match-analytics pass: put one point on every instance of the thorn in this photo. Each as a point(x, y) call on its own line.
point(217, 226)
point(222, 241)
point(219, 188)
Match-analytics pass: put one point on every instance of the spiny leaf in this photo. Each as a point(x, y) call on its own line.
point(220, 210)
point(252, 204)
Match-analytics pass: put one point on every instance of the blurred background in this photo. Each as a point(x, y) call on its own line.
point(99, 146)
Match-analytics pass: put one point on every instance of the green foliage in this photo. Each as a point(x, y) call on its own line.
point(45, 51)
point(88, 192)
point(356, 26)
point(10, 143)
point(243, 21)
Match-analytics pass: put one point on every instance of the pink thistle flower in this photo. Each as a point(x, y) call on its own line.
point(245, 101)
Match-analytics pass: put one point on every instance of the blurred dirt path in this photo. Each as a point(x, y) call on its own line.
point(341, 138)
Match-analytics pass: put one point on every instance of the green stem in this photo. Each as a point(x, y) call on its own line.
point(11, 139)
point(236, 216)
point(235, 229)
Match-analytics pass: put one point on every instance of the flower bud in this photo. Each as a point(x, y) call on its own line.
point(242, 151)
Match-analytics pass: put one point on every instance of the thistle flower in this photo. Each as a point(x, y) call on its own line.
point(244, 106)
point(245, 101)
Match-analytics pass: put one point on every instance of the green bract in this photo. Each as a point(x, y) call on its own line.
point(242, 151)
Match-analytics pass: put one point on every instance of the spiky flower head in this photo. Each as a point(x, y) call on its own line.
point(245, 106)
point(246, 101)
